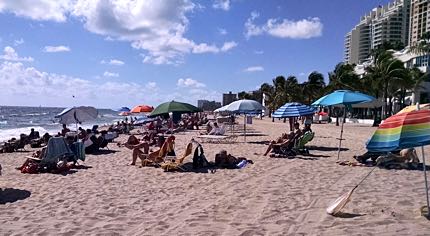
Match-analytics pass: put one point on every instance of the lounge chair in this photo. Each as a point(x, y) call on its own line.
point(299, 146)
point(56, 150)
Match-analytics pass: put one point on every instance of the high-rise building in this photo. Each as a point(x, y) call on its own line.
point(228, 98)
point(200, 103)
point(420, 20)
point(206, 105)
point(389, 23)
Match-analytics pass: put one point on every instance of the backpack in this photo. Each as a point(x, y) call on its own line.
point(199, 159)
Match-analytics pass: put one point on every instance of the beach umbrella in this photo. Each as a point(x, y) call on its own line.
point(414, 107)
point(75, 115)
point(346, 98)
point(293, 109)
point(403, 130)
point(123, 109)
point(175, 107)
point(245, 107)
point(221, 109)
point(142, 109)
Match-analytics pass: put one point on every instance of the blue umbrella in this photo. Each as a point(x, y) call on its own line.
point(293, 109)
point(123, 109)
point(344, 97)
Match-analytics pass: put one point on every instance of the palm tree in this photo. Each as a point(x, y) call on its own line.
point(385, 71)
point(279, 84)
point(314, 87)
point(292, 88)
point(343, 77)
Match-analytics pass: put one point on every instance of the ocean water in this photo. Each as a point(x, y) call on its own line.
point(17, 120)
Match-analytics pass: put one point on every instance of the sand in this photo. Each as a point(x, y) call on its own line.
point(270, 197)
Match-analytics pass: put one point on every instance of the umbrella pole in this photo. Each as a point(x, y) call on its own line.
point(341, 133)
point(425, 180)
point(244, 127)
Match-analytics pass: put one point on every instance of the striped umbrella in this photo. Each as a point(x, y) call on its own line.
point(404, 130)
point(414, 107)
point(293, 109)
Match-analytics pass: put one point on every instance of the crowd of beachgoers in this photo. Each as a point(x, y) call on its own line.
point(284, 194)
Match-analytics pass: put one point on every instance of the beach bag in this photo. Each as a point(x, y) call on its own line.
point(199, 159)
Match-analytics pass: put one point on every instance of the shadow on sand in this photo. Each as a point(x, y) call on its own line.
point(10, 195)
point(326, 149)
point(103, 152)
point(347, 215)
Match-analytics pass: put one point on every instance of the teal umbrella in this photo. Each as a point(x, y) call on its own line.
point(346, 98)
point(174, 107)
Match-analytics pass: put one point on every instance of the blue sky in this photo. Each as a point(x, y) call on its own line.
point(110, 53)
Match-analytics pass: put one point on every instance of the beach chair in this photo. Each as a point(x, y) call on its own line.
point(299, 146)
point(173, 163)
point(159, 156)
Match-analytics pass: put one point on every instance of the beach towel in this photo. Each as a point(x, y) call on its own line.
point(79, 150)
point(57, 147)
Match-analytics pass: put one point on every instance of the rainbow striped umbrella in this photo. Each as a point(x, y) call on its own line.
point(403, 130)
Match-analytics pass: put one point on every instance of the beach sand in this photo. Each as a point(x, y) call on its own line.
point(270, 197)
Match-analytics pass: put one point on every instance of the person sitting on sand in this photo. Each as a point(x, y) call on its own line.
point(65, 130)
point(82, 133)
point(33, 134)
point(153, 156)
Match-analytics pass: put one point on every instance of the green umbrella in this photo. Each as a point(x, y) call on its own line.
point(176, 107)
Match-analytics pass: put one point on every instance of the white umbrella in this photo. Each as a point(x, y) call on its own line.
point(77, 115)
point(245, 106)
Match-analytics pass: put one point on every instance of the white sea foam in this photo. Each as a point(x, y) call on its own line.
point(6, 134)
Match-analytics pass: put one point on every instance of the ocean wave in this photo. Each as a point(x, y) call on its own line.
point(3, 122)
point(7, 134)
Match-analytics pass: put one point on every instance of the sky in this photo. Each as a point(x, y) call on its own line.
point(113, 53)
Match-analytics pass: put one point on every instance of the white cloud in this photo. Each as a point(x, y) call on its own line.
point(38, 9)
point(155, 26)
point(259, 52)
point(113, 62)
point(60, 48)
point(18, 42)
point(190, 83)
point(110, 74)
point(254, 69)
point(222, 31)
point(222, 4)
point(32, 87)
point(301, 29)
point(11, 55)
point(228, 45)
